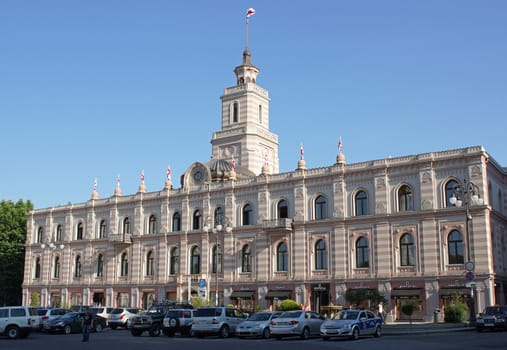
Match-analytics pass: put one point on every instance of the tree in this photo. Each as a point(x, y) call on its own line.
point(287, 305)
point(408, 309)
point(13, 218)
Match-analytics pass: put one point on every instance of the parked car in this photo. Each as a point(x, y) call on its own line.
point(298, 322)
point(36, 321)
point(152, 320)
point(256, 325)
point(492, 317)
point(79, 308)
point(178, 321)
point(71, 323)
point(119, 317)
point(16, 321)
point(101, 311)
point(352, 323)
point(221, 321)
point(49, 314)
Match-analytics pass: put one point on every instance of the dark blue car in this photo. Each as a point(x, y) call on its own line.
point(71, 323)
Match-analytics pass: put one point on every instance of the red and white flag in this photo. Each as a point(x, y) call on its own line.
point(340, 145)
point(301, 151)
point(118, 181)
point(95, 185)
point(168, 172)
point(142, 177)
point(250, 12)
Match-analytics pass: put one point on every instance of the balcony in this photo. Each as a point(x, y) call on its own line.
point(284, 224)
point(124, 238)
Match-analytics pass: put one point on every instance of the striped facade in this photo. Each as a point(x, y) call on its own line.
point(309, 235)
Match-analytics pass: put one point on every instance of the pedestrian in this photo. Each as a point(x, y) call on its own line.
point(86, 323)
point(380, 309)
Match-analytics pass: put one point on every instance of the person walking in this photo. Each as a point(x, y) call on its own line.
point(380, 309)
point(86, 323)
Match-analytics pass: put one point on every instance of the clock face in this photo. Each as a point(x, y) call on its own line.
point(198, 175)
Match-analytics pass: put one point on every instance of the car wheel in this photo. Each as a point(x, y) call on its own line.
point(155, 330)
point(223, 332)
point(99, 328)
point(378, 332)
point(306, 333)
point(355, 333)
point(12, 332)
point(135, 332)
point(67, 329)
point(266, 333)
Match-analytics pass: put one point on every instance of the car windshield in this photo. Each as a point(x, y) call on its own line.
point(291, 314)
point(208, 312)
point(42, 312)
point(493, 310)
point(116, 311)
point(260, 316)
point(69, 315)
point(346, 315)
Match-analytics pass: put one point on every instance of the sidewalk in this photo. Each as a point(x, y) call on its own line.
point(398, 327)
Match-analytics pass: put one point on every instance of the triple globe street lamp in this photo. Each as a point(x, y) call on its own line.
point(51, 247)
point(468, 195)
point(218, 226)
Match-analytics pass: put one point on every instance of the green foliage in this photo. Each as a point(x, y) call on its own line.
point(408, 309)
point(287, 305)
point(358, 296)
point(198, 302)
point(12, 249)
point(455, 312)
point(35, 299)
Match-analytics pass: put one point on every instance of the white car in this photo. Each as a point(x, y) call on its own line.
point(352, 323)
point(257, 325)
point(298, 322)
point(221, 321)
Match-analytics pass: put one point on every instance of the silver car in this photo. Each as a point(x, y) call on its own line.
point(299, 322)
point(256, 325)
point(352, 323)
point(119, 317)
point(219, 320)
point(46, 315)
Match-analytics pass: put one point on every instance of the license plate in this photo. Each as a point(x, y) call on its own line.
point(489, 325)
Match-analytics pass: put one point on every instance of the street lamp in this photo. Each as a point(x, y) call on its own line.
point(218, 227)
point(51, 247)
point(468, 195)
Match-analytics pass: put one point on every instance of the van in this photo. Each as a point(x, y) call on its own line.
point(16, 321)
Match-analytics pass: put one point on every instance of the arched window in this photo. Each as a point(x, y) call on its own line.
point(320, 255)
point(102, 229)
point(175, 261)
point(247, 215)
point(150, 264)
point(218, 216)
point(152, 228)
point(38, 238)
point(405, 198)
point(77, 267)
point(59, 233)
point(407, 250)
point(196, 220)
point(235, 112)
point(246, 259)
point(217, 259)
point(361, 203)
point(36, 268)
point(450, 191)
point(362, 253)
point(195, 261)
point(100, 266)
point(456, 247)
point(320, 208)
point(282, 209)
point(126, 226)
point(282, 257)
point(124, 265)
point(176, 222)
point(56, 269)
point(79, 233)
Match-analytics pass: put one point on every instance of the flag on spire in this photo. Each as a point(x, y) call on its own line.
point(118, 181)
point(95, 185)
point(340, 145)
point(142, 176)
point(250, 12)
point(168, 172)
point(301, 151)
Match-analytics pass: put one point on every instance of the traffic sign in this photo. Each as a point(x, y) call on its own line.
point(469, 266)
point(202, 283)
point(470, 276)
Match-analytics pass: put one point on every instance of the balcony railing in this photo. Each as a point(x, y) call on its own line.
point(277, 224)
point(125, 238)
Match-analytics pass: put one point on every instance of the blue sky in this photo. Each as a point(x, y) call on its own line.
point(101, 88)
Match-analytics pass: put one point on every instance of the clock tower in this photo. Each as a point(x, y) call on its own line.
point(245, 135)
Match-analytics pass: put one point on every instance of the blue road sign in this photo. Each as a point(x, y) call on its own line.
point(202, 283)
point(470, 276)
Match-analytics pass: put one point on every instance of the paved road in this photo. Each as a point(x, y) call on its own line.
point(121, 339)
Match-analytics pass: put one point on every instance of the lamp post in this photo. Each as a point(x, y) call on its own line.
point(468, 195)
point(51, 247)
point(217, 227)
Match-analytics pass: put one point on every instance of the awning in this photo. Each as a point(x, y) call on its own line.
point(406, 292)
point(246, 294)
point(452, 291)
point(280, 294)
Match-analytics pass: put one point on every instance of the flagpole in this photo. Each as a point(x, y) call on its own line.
point(247, 31)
